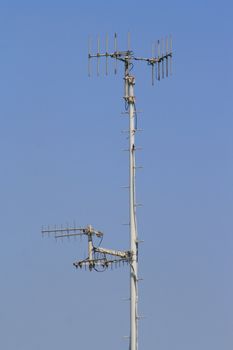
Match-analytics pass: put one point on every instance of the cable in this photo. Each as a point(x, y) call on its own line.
point(131, 66)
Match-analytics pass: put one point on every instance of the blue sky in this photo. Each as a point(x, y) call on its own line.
point(61, 160)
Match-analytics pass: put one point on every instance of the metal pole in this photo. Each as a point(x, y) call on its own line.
point(90, 247)
point(130, 81)
point(90, 243)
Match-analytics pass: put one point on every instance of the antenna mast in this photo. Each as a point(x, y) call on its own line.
point(100, 258)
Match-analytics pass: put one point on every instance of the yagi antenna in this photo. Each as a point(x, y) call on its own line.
point(160, 60)
point(97, 257)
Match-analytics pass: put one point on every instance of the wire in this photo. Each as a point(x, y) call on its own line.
point(104, 269)
point(131, 66)
point(100, 241)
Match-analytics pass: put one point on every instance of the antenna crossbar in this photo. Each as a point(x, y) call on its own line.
point(121, 254)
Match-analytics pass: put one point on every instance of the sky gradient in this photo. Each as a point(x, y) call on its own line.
point(61, 160)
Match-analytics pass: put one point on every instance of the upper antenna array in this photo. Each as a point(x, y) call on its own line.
point(160, 60)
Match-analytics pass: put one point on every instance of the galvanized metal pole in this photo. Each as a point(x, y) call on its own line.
point(129, 88)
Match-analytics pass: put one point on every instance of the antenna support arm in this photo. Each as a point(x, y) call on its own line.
point(120, 254)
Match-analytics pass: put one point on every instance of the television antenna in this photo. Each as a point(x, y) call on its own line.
point(98, 258)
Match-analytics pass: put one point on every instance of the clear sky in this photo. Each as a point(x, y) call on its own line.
point(61, 160)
